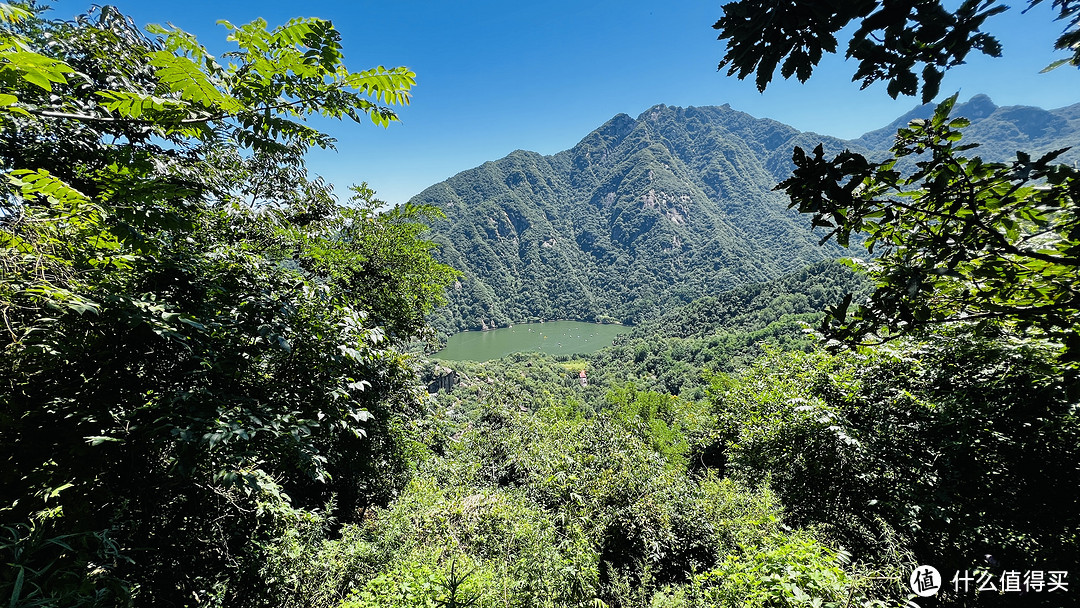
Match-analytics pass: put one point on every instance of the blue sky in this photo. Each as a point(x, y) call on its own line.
point(495, 76)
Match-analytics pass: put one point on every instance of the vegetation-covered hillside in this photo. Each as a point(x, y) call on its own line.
point(645, 215)
point(952, 451)
point(640, 217)
point(209, 394)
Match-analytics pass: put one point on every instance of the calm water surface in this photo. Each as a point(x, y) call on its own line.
point(552, 337)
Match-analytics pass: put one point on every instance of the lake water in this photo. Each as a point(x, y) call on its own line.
point(552, 337)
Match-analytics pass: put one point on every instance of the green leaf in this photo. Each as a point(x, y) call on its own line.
point(185, 77)
point(35, 68)
point(16, 589)
point(13, 14)
point(98, 440)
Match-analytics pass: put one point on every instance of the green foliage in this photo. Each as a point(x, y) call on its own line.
point(631, 493)
point(796, 572)
point(204, 369)
point(751, 308)
point(193, 329)
point(414, 585)
point(724, 332)
point(958, 239)
point(949, 448)
point(550, 493)
point(900, 43)
point(44, 569)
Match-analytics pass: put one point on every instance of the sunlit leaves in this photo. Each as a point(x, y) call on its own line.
point(926, 442)
point(184, 44)
point(13, 14)
point(184, 77)
point(41, 183)
point(37, 69)
point(387, 86)
point(276, 77)
point(150, 108)
point(297, 69)
point(180, 302)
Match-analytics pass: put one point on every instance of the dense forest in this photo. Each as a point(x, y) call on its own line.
point(213, 382)
point(645, 215)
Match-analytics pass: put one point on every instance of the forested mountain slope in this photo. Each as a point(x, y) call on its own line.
point(644, 215)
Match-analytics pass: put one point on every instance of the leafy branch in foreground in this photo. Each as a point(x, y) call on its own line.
point(958, 239)
point(195, 337)
point(258, 98)
point(899, 42)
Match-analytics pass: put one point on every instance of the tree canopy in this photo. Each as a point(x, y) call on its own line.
point(192, 325)
point(894, 38)
point(954, 238)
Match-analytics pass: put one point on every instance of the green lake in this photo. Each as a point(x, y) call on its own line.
point(552, 337)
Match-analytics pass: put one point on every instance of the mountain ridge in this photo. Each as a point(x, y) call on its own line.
point(644, 215)
point(1002, 130)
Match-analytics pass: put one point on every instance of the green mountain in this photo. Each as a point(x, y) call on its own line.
point(1000, 130)
point(645, 215)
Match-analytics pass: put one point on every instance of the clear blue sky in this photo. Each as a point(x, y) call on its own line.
point(495, 76)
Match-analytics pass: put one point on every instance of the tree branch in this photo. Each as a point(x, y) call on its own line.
point(146, 121)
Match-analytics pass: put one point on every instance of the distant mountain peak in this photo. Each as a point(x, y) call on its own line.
point(979, 106)
point(1002, 130)
point(646, 214)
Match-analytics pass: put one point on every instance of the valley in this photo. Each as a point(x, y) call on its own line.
point(729, 364)
point(669, 222)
